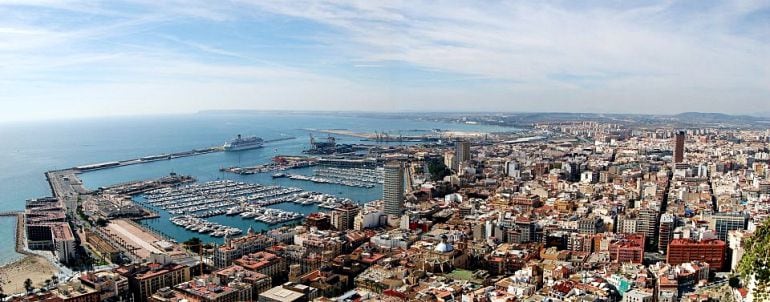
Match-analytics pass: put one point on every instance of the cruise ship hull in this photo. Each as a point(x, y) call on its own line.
point(239, 148)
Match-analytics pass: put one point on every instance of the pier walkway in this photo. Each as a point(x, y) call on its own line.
point(10, 213)
point(159, 157)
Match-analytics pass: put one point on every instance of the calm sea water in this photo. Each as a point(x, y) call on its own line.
point(27, 150)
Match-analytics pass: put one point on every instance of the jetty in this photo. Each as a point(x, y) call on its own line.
point(280, 163)
point(280, 139)
point(20, 245)
point(146, 159)
point(160, 157)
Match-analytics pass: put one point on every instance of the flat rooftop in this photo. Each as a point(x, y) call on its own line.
point(281, 294)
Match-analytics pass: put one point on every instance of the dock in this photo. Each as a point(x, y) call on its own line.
point(160, 157)
point(67, 187)
point(280, 163)
point(146, 159)
point(343, 132)
point(383, 136)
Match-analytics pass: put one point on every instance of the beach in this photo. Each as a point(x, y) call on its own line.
point(34, 267)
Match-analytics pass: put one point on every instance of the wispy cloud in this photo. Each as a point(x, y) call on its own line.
point(664, 56)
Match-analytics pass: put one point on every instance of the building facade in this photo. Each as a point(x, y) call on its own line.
point(687, 250)
point(393, 188)
point(679, 147)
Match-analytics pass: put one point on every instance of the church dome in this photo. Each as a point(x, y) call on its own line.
point(443, 247)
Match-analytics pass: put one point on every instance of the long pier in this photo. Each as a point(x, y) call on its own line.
point(159, 157)
point(280, 139)
point(146, 159)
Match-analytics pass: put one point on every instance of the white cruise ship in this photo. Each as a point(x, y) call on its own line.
point(243, 143)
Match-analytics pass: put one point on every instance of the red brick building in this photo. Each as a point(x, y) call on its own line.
point(686, 250)
point(630, 248)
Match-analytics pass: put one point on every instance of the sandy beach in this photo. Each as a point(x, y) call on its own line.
point(36, 268)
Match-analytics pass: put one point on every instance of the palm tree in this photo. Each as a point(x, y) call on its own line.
point(28, 286)
point(194, 241)
point(47, 283)
point(55, 279)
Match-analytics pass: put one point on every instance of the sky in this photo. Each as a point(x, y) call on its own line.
point(64, 59)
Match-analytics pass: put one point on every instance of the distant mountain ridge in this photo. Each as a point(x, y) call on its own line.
point(707, 115)
point(712, 117)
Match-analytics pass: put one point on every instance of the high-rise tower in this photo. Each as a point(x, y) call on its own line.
point(393, 188)
point(666, 231)
point(679, 147)
point(462, 153)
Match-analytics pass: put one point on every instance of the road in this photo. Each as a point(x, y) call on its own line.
point(67, 187)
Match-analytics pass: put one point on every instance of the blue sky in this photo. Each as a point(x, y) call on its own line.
point(61, 59)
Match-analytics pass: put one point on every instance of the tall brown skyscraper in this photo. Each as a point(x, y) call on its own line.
point(679, 147)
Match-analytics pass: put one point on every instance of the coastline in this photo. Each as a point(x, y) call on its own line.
point(86, 153)
point(29, 265)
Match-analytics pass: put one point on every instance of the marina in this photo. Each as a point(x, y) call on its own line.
point(331, 180)
point(202, 226)
point(351, 177)
point(357, 174)
point(230, 198)
point(214, 197)
point(266, 215)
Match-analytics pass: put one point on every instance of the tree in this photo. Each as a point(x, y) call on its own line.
point(2, 294)
point(438, 170)
point(754, 264)
point(193, 241)
point(734, 282)
point(55, 279)
point(28, 286)
point(101, 222)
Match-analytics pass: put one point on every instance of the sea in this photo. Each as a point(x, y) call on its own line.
point(28, 149)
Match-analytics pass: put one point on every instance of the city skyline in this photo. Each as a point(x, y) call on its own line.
point(80, 59)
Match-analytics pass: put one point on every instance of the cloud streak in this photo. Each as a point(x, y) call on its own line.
point(647, 57)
